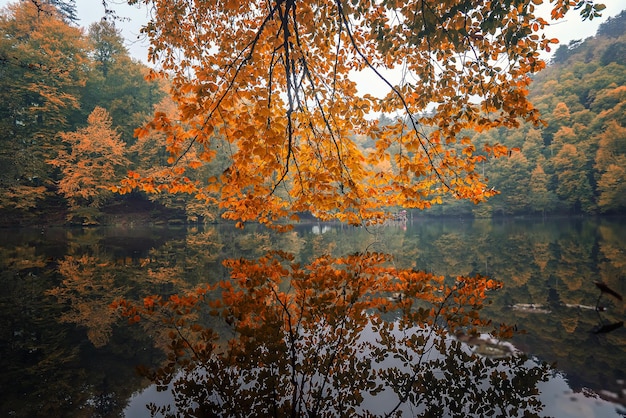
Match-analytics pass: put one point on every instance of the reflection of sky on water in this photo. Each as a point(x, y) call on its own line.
point(136, 407)
point(556, 395)
point(321, 229)
point(561, 402)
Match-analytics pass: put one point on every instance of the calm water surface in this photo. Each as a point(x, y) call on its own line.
point(63, 351)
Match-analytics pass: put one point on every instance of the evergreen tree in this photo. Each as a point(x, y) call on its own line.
point(117, 82)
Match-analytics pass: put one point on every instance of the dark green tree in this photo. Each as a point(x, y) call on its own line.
point(117, 82)
point(614, 27)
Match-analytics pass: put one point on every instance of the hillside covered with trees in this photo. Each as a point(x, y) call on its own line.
point(73, 100)
point(575, 163)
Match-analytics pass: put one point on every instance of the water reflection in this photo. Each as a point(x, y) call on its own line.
point(58, 285)
point(327, 339)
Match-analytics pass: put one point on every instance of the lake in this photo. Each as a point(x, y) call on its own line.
point(65, 352)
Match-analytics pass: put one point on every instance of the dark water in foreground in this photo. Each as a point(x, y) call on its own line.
point(63, 351)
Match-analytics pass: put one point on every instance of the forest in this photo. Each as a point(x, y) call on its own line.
point(574, 163)
point(76, 107)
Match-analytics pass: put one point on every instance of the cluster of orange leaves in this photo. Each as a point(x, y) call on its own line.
point(273, 81)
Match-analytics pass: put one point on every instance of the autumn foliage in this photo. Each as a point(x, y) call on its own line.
point(52, 77)
point(268, 86)
point(42, 68)
point(93, 159)
point(273, 80)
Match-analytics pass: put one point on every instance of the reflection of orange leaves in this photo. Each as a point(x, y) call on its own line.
point(570, 324)
point(492, 284)
point(275, 310)
point(273, 290)
point(87, 286)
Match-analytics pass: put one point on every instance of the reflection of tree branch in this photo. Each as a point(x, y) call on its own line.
point(334, 351)
point(303, 350)
point(417, 368)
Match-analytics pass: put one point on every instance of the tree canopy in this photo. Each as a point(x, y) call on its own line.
point(273, 79)
point(95, 157)
point(52, 76)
